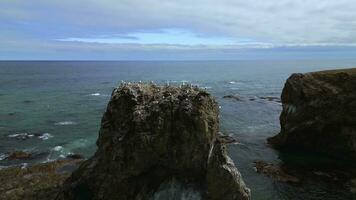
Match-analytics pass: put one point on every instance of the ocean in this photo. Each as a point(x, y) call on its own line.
point(54, 108)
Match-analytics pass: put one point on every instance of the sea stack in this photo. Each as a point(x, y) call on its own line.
point(319, 113)
point(153, 141)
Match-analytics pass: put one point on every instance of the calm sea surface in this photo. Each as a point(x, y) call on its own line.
point(61, 104)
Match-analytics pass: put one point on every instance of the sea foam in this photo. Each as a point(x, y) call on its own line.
point(2, 156)
point(45, 136)
point(20, 135)
point(65, 123)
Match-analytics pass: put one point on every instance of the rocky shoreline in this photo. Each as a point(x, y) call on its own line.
point(36, 182)
point(155, 139)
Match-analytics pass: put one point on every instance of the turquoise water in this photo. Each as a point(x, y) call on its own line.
point(61, 104)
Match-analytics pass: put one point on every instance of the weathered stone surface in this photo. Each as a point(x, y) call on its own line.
point(224, 181)
point(152, 134)
point(319, 113)
point(38, 182)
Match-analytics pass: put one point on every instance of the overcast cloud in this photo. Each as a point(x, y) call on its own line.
point(50, 26)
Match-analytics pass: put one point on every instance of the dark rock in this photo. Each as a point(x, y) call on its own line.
point(22, 155)
point(38, 182)
point(19, 155)
point(274, 171)
point(352, 185)
point(235, 97)
point(319, 112)
point(327, 175)
point(152, 134)
point(75, 156)
point(11, 114)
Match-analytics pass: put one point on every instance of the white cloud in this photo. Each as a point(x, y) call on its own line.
point(212, 24)
point(276, 21)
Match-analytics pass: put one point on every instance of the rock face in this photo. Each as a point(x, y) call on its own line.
point(151, 135)
point(38, 182)
point(319, 113)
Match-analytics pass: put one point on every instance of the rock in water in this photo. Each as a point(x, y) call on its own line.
point(319, 113)
point(151, 135)
point(274, 171)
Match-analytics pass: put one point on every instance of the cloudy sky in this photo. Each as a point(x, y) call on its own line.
point(177, 30)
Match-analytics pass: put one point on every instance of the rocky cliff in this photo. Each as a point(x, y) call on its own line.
point(319, 113)
point(152, 136)
point(36, 182)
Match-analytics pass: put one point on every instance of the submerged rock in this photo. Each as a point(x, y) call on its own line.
point(271, 98)
point(227, 139)
point(151, 135)
point(19, 155)
point(319, 113)
point(230, 96)
point(75, 156)
point(274, 171)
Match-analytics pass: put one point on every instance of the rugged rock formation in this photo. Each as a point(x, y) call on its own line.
point(153, 135)
point(319, 113)
point(38, 182)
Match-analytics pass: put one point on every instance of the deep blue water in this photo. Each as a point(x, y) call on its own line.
point(67, 99)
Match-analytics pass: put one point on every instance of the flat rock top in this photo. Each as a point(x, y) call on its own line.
point(325, 83)
point(152, 92)
point(349, 71)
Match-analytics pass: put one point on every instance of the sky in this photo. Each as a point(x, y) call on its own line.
point(177, 30)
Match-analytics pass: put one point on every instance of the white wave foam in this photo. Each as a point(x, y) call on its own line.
point(95, 94)
point(45, 136)
point(2, 156)
point(57, 148)
point(175, 190)
point(232, 82)
point(65, 123)
point(24, 165)
point(56, 152)
point(20, 135)
point(24, 136)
